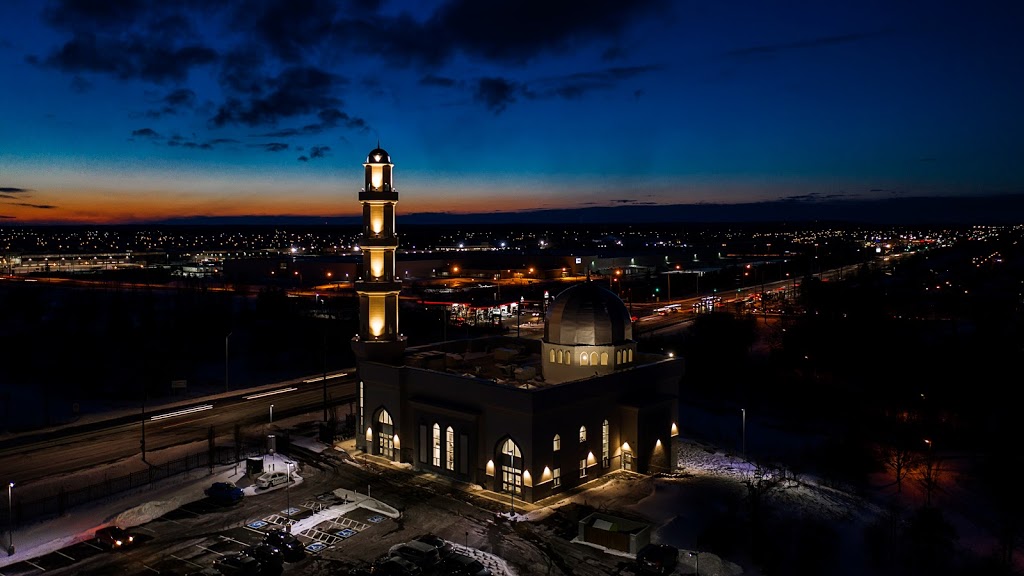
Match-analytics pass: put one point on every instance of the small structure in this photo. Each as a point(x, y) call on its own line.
point(614, 533)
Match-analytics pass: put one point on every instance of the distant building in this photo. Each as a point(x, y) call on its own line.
point(525, 417)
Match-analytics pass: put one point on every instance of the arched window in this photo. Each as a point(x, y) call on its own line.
point(437, 445)
point(630, 352)
point(604, 443)
point(618, 357)
point(449, 458)
point(559, 356)
point(568, 358)
point(557, 443)
point(385, 434)
point(604, 358)
point(511, 468)
point(583, 359)
point(552, 356)
point(583, 433)
point(593, 358)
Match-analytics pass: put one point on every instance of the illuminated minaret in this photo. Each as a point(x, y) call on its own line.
point(378, 339)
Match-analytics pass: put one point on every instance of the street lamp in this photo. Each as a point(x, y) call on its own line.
point(743, 412)
point(288, 495)
point(696, 562)
point(10, 517)
point(271, 413)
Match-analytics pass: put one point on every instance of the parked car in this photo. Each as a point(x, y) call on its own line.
point(267, 554)
point(658, 558)
point(419, 553)
point(270, 479)
point(239, 564)
point(224, 492)
point(396, 566)
point(290, 547)
point(444, 547)
point(114, 537)
point(458, 564)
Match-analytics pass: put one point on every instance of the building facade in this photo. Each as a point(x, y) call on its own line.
point(526, 417)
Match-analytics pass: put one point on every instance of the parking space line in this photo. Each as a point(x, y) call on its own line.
point(229, 539)
point(209, 550)
point(29, 562)
point(65, 555)
point(93, 545)
point(152, 569)
point(260, 532)
point(187, 561)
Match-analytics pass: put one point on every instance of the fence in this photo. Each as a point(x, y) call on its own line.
point(65, 498)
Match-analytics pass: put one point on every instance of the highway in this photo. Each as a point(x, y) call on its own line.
point(34, 456)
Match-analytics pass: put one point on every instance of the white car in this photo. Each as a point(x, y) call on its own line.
point(271, 479)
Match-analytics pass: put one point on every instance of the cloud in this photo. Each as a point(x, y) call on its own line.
point(274, 146)
point(128, 39)
point(303, 158)
point(496, 93)
point(329, 118)
point(802, 44)
point(296, 91)
point(573, 86)
point(146, 133)
point(13, 190)
point(39, 206)
point(318, 151)
point(80, 85)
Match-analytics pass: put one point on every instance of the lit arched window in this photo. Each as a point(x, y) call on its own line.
point(583, 433)
point(604, 358)
point(450, 449)
point(604, 443)
point(568, 358)
point(557, 443)
point(583, 359)
point(618, 357)
point(559, 356)
point(552, 356)
point(385, 434)
point(593, 358)
point(511, 468)
point(437, 445)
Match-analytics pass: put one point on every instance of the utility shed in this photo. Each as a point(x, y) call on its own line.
point(614, 533)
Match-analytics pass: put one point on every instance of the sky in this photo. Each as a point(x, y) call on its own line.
point(127, 111)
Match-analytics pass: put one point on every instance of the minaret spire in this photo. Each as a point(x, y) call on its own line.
point(377, 287)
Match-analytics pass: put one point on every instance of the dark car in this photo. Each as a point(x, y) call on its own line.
point(658, 558)
point(419, 553)
point(114, 537)
point(457, 564)
point(267, 553)
point(396, 566)
point(444, 547)
point(224, 492)
point(239, 564)
point(287, 543)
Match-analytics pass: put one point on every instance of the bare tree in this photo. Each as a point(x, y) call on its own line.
point(899, 460)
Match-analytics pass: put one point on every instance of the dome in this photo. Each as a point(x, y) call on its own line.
point(378, 156)
point(590, 315)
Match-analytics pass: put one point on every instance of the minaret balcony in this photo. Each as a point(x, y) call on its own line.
point(378, 242)
point(378, 286)
point(378, 195)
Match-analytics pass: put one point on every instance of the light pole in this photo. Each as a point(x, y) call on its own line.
point(288, 495)
point(696, 562)
point(10, 517)
point(743, 412)
point(226, 338)
point(271, 413)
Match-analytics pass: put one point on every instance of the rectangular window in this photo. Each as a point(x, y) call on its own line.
point(583, 467)
point(556, 477)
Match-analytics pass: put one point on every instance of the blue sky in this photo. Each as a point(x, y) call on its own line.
point(133, 110)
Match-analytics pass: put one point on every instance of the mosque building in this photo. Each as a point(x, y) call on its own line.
point(526, 417)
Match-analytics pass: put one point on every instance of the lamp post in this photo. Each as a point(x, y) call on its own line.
point(288, 495)
point(743, 413)
point(696, 562)
point(271, 413)
point(226, 381)
point(10, 518)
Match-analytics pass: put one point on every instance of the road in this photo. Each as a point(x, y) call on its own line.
point(31, 457)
